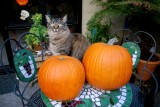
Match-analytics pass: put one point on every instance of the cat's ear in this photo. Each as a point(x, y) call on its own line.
point(64, 19)
point(48, 19)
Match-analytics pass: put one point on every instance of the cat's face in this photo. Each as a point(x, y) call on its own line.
point(57, 25)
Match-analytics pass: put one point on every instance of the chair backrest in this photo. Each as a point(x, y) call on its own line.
point(24, 66)
point(135, 52)
point(131, 41)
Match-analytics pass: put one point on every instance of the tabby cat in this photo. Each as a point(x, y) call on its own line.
point(62, 41)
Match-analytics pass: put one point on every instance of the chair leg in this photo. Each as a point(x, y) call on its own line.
point(17, 92)
point(33, 82)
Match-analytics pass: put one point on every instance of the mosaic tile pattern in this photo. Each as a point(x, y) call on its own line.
point(134, 50)
point(89, 92)
point(25, 65)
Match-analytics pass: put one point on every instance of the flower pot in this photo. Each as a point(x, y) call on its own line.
point(151, 67)
point(37, 47)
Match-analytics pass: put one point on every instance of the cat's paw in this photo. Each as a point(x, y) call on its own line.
point(57, 54)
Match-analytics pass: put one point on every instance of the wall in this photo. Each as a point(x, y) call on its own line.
point(87, 11)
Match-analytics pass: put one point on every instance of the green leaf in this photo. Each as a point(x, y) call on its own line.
point(87, 103)
point(113, 100)
point(109, 98)
point(38, 29)
point(140, 9)
point(105, 100)
point(115, 92)
point(81, 105)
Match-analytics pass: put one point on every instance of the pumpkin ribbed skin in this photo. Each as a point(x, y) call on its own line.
point(22, 2)
point(61, 78)
point(107, 67)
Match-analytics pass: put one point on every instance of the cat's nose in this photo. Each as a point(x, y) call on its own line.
point(56, 26)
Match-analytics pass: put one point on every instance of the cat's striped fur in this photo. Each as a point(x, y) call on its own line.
point(62, 41)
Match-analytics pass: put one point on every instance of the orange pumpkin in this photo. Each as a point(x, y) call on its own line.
point(22, 2)
point(107, 67)
point(61, 78)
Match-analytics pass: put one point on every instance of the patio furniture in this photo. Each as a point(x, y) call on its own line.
point(123, 96)
point(129, 95)
point(133, 94)
point(133, 42)
point(24, 66)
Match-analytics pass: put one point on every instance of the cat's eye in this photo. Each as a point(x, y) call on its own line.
point(60, 25)
point(52, 25)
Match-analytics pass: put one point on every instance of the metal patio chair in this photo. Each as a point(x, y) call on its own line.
point(131, 41)
point(24, 66)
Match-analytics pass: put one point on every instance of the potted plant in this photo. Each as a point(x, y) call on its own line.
point(149, 58)
point(99, 30)
point(38, 29)
point(138, 13)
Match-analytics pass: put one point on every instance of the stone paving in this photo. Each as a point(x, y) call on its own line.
point(11, 100)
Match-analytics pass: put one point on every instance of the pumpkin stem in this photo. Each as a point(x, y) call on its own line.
point(112, 41)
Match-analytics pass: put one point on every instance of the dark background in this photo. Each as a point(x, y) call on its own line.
point(10, 16)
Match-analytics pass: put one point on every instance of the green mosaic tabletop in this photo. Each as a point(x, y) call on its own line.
point(93, 97)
